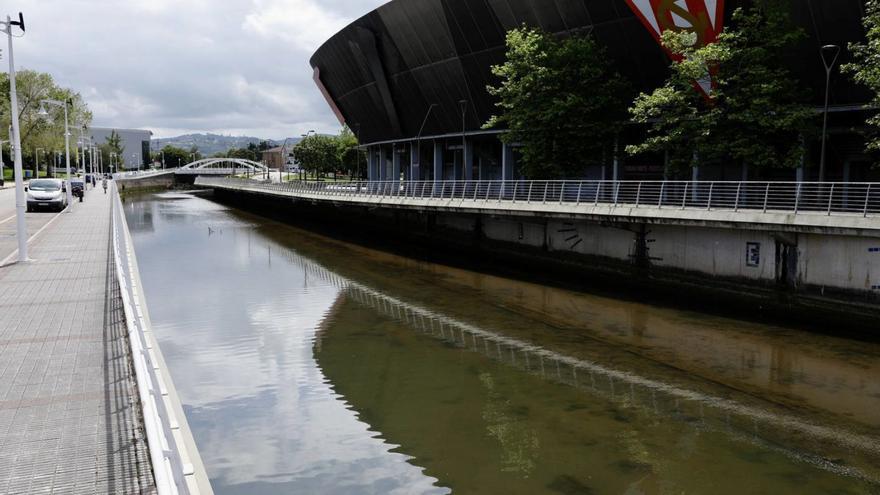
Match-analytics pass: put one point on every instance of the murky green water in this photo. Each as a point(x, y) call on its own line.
point(307, 365)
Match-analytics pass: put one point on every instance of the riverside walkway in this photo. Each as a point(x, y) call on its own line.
point(778, 206)
point(71, 417)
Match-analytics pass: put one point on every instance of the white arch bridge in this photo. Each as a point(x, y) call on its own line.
point(222, 166)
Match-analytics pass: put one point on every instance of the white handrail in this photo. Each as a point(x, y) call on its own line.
point(167, 453)
point(797, 198)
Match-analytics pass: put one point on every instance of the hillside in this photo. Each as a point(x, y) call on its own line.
point(209, 144)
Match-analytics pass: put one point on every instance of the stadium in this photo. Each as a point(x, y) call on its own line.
point(410, 78)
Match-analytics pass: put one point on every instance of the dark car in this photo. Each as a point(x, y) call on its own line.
point(77, 188)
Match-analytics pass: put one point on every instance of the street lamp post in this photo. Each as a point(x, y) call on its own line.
point(419, 138)
point(20, 200)
point(37, 163)
point(832, 52)
point(66, 143)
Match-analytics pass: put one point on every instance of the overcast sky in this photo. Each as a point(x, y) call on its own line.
point(238, 67)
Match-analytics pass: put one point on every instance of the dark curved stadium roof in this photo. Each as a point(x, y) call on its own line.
point(384, 70)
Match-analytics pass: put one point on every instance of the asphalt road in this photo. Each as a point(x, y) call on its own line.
point(34, 221)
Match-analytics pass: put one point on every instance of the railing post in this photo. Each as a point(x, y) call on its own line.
point(660, 199)
point(830, 199)
point(616, 191)
point(476, 189)
point(685, 195)
point(766, 196)
point(598, 188)
point(580, 186)
point(797, 198)
point(867, 198)
point(561, 192)
point(544, 199)
point(515, 184)
point(709, 203)
point(736, 202)
point(638, 194)
point(529, 195)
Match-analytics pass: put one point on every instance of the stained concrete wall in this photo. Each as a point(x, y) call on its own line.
point(839, 262)
point(834, 261)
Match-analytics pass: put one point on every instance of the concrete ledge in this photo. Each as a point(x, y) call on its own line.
point(777, 221)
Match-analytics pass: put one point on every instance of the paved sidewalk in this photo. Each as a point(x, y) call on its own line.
point(69, 420)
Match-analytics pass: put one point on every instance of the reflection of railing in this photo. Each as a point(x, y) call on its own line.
point(655, 396)
point(172, 469)
point(825, 198)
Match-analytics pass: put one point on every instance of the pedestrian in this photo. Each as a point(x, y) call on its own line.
point(104, 183)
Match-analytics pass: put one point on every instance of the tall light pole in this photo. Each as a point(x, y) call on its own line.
point(62, 104)
point(2, 164)
point(134, 160)
point(20, 200)
point(37, 162)
point(831, 52)
point(419, 138)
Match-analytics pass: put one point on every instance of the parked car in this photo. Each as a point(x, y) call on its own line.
point(77, 188)
point(46, 194)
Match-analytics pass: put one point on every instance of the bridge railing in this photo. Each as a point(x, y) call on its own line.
point(169, 457)
point(829, 198)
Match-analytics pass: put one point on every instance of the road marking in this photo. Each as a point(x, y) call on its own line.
point(6, 260)
point(6, 219)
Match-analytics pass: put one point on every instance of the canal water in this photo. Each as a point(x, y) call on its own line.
point(309, 365)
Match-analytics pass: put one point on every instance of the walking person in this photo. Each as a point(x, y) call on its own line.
point(104, 184)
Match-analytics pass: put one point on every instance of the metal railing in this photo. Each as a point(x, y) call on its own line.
point(138, 174)
point(167, 450)
point(828, 198)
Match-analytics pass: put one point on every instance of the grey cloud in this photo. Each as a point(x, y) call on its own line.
point(235, 67)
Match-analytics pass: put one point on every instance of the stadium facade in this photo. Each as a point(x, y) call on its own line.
point(410, 78)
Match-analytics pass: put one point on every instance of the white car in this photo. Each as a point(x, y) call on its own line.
point(46, 193)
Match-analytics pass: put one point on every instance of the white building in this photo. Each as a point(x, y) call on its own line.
point(136, 144)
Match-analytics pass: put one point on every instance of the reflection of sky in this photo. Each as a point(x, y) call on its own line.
point(237, 322)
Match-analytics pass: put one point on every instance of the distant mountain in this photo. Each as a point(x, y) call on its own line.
point(209, 144)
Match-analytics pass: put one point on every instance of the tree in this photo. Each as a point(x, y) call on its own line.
point(757, 115)
point(865, 68)
point(318, 154)
point(560, 98)
point(112, 146)
point(350, 157)
point(37, 131)
point(175, 156)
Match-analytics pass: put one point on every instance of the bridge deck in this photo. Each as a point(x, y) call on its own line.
point(69, 417)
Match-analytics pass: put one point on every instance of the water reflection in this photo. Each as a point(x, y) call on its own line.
point(301, 377)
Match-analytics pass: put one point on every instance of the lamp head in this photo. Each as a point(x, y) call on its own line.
point(43, 112)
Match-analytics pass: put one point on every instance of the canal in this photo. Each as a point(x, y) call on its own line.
point(310, 365)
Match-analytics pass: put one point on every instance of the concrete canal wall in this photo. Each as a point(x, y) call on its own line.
point(802, 272)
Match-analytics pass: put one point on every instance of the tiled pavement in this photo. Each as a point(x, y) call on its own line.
point(69, 420)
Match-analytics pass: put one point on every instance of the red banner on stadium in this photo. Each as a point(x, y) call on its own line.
point(705, 18)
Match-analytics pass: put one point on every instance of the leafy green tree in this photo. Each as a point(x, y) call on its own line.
point(174, 156)
point(318, 154)
point(757, 114)
point(36, 130)
point(560, 98)
point(111, 146)
point(351, 159)
point(865, 67)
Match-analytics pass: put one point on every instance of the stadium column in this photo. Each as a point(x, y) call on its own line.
point(395, 162)
point(383, 163)
point(438, 160)
point(468, 154)
point(414, 160)
point(372, 167)
point(508, 162)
